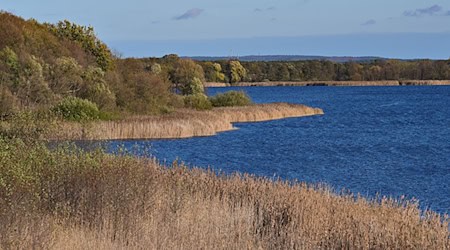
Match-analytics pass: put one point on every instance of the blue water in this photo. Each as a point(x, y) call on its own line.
point(390, 141)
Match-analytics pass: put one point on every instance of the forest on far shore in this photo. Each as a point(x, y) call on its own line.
point(323, 70)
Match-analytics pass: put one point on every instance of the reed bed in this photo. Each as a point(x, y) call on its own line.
point(68, 199)
point(184, 123)
point(336, 83)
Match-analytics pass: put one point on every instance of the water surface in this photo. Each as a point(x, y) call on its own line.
point(388, 140)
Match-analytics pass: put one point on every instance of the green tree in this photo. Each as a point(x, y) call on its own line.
point(95, 88)
point(86, 37)
point(213, 72)
point(32, 88)
point(235, 71)
point(188, 77)
point(66, 76)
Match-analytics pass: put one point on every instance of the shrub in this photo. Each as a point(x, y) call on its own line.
point(230, 98)
point(176, 101)
point(30, 126)
point(198, 101)
point(8, 102)
point(76, 109)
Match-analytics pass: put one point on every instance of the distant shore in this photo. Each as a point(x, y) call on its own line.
point(334, 83)
point(182, 124)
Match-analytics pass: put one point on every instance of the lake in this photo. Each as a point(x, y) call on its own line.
point(390, 141)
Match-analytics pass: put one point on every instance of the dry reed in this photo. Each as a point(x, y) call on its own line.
point(183, 124)
point(96, 201)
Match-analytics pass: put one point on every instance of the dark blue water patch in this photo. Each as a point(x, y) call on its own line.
point(392, 141)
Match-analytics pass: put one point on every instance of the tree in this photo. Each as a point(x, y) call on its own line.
point(374, 73)
point(213, 72)
point(9, 66)
point(188, 76)
point(195, 87)
point(95, 88)
point(33, 88)
point(86, 37)
point(156, 69)
point(66, 76)
point(355, 71)
point(235, 71)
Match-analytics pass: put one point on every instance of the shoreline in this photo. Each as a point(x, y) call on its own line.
point(333, 83)
point(182, 124)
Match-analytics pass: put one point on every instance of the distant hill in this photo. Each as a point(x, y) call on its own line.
point(271, 58)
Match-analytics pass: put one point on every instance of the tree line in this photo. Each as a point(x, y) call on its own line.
point(376, 70)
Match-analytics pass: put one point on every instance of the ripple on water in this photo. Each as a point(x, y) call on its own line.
point(388, 140)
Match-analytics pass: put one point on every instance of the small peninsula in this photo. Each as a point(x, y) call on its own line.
point(183, 123)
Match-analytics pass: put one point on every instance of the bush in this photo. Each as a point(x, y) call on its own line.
point(8, 102)
point(198, 101)
point(76, 109)
point(29, 126)
point(231, 98)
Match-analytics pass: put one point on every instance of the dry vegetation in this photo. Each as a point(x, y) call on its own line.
point(67, 199)
point(184, 123)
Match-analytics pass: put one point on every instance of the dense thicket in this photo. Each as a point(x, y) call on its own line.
point(41, 65)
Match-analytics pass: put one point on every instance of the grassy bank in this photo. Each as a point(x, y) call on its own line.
point(183, 123)
point(335, 83)
point(69, 199)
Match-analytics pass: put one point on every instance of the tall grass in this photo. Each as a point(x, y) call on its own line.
point(182, 124)
point(69, 199)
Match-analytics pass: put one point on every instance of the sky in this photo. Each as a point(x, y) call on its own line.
point(405, 29)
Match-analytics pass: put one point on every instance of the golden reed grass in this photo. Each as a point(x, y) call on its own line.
point(334, 83)
point(106, 202)
point(185, 123)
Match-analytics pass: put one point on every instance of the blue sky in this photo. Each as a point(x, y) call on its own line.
point(389, 28)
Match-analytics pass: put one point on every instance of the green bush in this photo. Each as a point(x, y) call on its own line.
point(76, 109)
point(231, 98)
point(198, 101)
